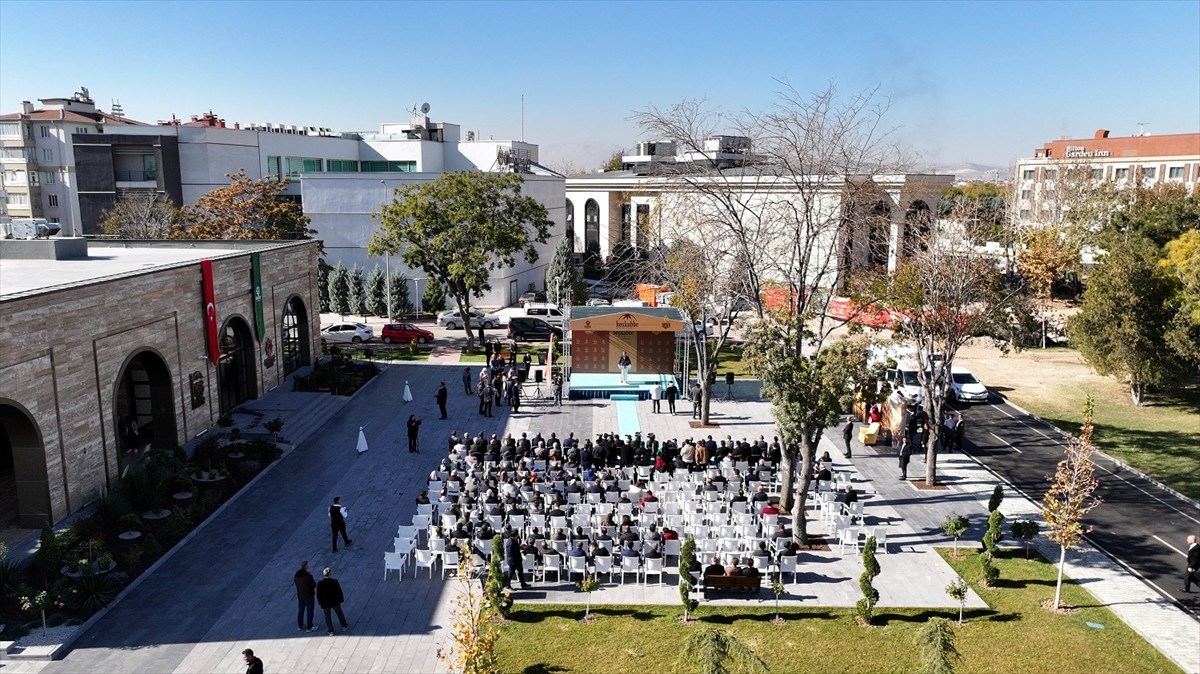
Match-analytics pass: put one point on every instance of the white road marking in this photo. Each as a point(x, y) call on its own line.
point(1170, 546)
point(1006, 442)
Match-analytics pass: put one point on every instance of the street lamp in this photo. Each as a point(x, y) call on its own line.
point(387, 257)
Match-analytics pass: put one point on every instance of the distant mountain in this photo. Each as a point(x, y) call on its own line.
point(585, 157)
point(968, 171)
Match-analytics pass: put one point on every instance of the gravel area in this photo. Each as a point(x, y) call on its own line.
point(54, 635)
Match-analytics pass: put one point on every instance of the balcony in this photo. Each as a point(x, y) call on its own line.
point(135, 176)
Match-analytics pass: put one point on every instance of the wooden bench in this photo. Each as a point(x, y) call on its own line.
point(732, 584)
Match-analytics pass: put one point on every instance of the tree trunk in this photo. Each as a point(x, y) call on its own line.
point(787, 476)
point(461, 303)
point(799, 514)
point(707, 406)
point(931, 443)
point(1137, 392)
point(1062, 561)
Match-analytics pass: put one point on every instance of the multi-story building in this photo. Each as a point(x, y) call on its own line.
point(1061, 171)
point(38, 159)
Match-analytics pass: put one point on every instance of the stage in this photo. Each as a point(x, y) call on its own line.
point(605, 385)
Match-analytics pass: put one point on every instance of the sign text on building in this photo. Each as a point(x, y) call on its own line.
point(1081, 152)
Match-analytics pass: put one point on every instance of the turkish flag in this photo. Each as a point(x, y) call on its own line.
point(210, 312)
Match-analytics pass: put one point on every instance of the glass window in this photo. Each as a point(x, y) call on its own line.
point(149, 167)
point(18, 199)
point(52, 200)
point(342, 165)
point(570, 218)
point(273, 166)
point(48, 154)
point(1175, 173)
point(1149, 172)
point(1121, 173)
point(298, 165)
point(51, 178)
point(1097, 174)
point(10, 130)
point(45, 131)
point(1027, 174)
point(1025, 194)
point(1051, 174)
point(591, 225)
point(292, 343)
point(373, 166)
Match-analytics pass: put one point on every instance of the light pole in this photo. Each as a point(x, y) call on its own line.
point(387, 257)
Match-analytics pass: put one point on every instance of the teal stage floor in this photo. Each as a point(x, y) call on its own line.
point(604, 385)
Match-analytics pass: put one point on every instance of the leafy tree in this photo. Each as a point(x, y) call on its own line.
point(498, 597)
point(958, 591)
point(1158, 213)
point(626, 265)
point(1182, 259)
point(1126, 311)
point(614, 161)
point(593, 264)
point(140, 215)
point(980, 207)
point(357, 296)
point(1026, 530)
point(401, 304)
point(939, 655)
point(721, 652)
point(339, 290)
point(246, 209)
point(865, 608)
point(472, 649)
point(588, 585)
point(560, 275)
point(376, 296)
point(323, 270)
point(955, 526)
point(39, 602)
point(996, 499)
point(991, 543)
point(1072, 494)
point(687, 581)
point(1046, 256)
point(459, 227)
point(433, 300)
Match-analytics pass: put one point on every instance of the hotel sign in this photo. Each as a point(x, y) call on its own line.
point(1081, 152)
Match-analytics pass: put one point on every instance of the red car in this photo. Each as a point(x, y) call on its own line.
point(404, 333)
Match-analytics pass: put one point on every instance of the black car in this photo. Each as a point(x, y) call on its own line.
point(526, 328)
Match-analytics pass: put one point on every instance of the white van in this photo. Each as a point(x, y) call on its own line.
point(547, 312)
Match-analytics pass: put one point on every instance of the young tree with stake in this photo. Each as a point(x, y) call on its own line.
point(1072, 495)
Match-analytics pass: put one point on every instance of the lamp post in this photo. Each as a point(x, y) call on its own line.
point(387, 257)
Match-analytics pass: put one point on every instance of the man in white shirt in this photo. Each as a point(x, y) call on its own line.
point(656, 394)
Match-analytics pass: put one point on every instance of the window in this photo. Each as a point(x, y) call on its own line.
point(18, 153)
point(47, 154)
point(81, 129)
point(52, 200)
point(1149, 172)
point(1097, 174)
point(18, 199)
point(342, 165)
point(389, 167)
point(1025, 194)
point(10, 130)
point(298, 165)
point(14, 178)
point(33, 178)
point(1051, 174)
point(51, 178)
point(149, 167)
point(293, 341)
point(273, 166)
point(1027, 174)
point(45, 131)
point(1175, 173)
point(1121, 174)
point(570, 219)
point(591, 226)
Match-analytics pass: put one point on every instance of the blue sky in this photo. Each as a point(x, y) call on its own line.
point(981, 82)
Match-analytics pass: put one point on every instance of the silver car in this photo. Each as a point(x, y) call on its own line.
point(452, 321)
point(347, 332)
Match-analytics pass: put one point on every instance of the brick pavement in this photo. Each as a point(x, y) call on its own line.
point(230, 586)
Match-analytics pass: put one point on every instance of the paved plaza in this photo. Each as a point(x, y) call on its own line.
point(229, 586)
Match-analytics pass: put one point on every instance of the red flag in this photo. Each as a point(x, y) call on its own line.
point(210, 312)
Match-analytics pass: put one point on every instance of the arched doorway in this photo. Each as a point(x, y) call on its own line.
point(24, 483)
point(293, 338)
point(591, 225)
point(570, 220)
point(236, 372)
point(144, 407)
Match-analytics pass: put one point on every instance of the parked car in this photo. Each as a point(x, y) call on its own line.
point(347, 332)
point(598, 302)
point(531, 296)
point(404, 333)
point(527, 328)
point(452, 321)
point(547, 312)
point(965, 387)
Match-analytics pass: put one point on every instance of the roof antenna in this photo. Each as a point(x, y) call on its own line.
point(1141, 129)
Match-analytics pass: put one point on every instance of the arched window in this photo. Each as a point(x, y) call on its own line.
point(237, 371)
point(570, 219)
point(144, 407)
point(591, 225)
point(293, 338)
point(878, 233)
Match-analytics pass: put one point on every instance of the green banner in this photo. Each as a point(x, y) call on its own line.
point(260, 324)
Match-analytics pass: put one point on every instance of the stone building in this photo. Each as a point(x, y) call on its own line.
point(108, 348)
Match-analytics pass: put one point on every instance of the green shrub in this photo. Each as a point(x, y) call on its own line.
point(89, 593)
point(498, 597)
point(865, 608)
point(152, 547)
point(936, 643)
point(687, 581)
point(1026, 530)
point(997, 498)
point(955, 526)
point(112, 506)
point(991, 541)
point(12, 577)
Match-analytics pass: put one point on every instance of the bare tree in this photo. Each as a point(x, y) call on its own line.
point(140, 215)
point(1071, 494)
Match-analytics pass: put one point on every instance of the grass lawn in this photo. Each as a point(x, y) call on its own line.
point(1159, 438)
point(1014, 635)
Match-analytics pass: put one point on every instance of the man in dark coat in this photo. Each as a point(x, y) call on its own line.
point(1193, 564)
point(330, 597)
point(337, 522)
point(466, 377)
point(306, 588)
point(516, 561)
point(414, 427)
point(442, 395)
point(672, 393)
point(847, 433)
point(254, 665)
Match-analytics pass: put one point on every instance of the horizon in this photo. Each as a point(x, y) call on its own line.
point(1002, 79)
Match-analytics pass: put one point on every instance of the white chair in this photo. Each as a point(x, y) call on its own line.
point(529, 562)
point(435, 487)
point(552, 562)
point(538, 521)
point(855, 511)
point(517, 522)
point(787, 564)
point(628, 565)
point(574, 498)
point(560, 546)
point(409, 532)
point(763, 564)
point(422, 524)
point(396, 561)
point(880, 534)
point(654, 566)
point(604, 564)
point(448, 521)
point(449, 563)
point(403, 545)
point(848, 537)
point(577, 565)
point(672, 548)
point(425, 509)
point(739, 507)
point(424, 558)
point(496, 522)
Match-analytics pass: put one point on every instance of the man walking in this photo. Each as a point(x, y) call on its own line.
point(905, 454)
point(656, 394)
point(330, 597)
point(306, 588)
point(672, 393)
point(254, 665)
point(467, 380)
point(337, 522)
point(697, 400)
point(847, 434)
point(1193, 564)
point(515, 559)
point(414, 428)
point(624, 362)
point(442, 395)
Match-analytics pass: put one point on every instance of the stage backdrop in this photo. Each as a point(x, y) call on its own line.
point(597, 343)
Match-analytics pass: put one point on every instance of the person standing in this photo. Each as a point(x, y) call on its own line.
point(330, 597)
point(306, 588)
point(672, 393)
point(466, 378)
point(905, 454)
point(1193, 564)
point(697, 400)
point(414, 428)
point(442, 396)
point(253, 664)
point(515, 559)
point(847, 434)
point(337, 522)
point(514, 398)
point(489, 396)
point(959, 429)
point(558, 388)
point(656, 394)
point(624, 362)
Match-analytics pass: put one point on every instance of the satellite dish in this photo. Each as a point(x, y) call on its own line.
point(424, 108)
